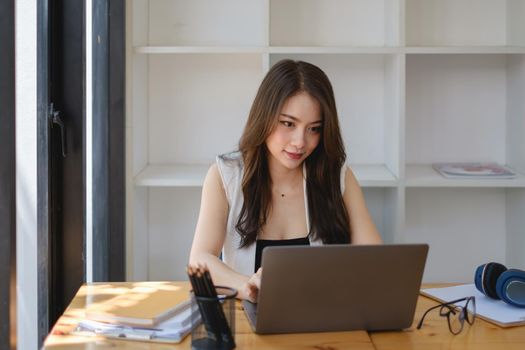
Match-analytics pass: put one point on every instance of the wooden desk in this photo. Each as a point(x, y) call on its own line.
point(433, 335)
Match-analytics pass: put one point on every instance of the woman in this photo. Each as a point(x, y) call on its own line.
point(287, 184)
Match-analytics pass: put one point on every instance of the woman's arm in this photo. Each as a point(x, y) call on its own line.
point(362, 228)
point(209, 239)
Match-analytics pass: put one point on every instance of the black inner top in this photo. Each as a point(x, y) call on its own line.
point(263, 243)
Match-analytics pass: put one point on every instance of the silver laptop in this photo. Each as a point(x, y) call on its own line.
point(337, 288)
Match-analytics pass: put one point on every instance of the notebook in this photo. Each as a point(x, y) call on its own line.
point(491, 310)
point(337, 288)
point(142, 305)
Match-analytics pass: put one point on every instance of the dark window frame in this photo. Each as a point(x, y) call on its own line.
point(60, 180)
point(43, 170)
point(7, 177)
point(109, 234)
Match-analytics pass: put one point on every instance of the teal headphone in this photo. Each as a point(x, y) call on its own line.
point(497, 282)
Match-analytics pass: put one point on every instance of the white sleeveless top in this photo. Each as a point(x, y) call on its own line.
point(242, 260)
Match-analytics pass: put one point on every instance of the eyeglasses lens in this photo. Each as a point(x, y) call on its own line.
point(456, 319)
point(471, 308)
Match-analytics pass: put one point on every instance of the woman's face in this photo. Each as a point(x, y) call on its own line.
point(297, 133)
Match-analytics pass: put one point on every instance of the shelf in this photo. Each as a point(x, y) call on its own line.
point(330, 49)
point(367, 175)
point(183, 175)
point(415, 81)
point(268, 49)
point(423, 175)
point(192, 175)
point(335, 49)
point(373, 175)
point(198, 49)
point(463, 50)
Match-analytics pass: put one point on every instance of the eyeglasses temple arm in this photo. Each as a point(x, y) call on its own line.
point(426, 312)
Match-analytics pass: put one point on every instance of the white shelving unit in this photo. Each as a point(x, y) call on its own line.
point(416, 82)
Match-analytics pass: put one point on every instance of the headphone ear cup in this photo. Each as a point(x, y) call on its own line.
point(478, 277)
point(511, 287)
point(486, 278)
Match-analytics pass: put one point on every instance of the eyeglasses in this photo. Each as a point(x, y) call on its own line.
point(456, 315)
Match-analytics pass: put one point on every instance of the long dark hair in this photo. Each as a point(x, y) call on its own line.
point(328, 216)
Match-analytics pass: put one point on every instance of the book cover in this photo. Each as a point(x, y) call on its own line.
point(473, 170)
point(141, 305)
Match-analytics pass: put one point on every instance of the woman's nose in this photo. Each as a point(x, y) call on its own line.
point(298, 138)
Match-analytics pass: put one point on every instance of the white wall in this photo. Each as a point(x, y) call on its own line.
point(26, 170)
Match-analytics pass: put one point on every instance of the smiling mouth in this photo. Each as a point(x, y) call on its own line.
point(295, 156)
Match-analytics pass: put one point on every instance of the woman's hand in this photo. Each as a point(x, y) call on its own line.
point(250, 289)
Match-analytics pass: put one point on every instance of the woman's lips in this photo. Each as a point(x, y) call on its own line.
point(294, 156)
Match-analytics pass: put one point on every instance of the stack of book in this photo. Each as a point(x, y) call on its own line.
point(473, 171)
point(160, 312)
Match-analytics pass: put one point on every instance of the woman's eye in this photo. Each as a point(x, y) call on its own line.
point(315, 129)
point(286, 123)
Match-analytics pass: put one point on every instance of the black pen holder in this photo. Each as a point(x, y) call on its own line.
point(213, 320)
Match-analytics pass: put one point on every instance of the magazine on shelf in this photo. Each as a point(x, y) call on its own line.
point(474, 171)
